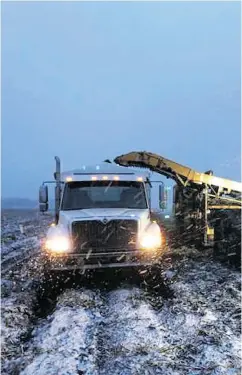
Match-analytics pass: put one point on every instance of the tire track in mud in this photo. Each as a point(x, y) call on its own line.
point(127, 334)
point(64, 341)
point(76, 334)
point(113, 327)
point(117, 330)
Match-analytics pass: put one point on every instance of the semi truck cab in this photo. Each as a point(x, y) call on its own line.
point(102, 219)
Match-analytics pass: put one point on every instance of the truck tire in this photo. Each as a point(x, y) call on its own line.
point(52, 282)
point(227, 238)
point(154, 282)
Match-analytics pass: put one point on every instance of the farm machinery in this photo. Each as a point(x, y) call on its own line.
point(206, 208)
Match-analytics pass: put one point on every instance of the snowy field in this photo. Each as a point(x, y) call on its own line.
point(21, 232)
point(120, 326)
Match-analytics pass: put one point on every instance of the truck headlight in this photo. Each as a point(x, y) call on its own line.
point(150, 241)
point(60, 244)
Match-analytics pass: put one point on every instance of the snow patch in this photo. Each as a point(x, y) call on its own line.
point(64, 344)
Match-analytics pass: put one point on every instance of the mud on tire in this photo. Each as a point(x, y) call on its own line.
point(153, 280)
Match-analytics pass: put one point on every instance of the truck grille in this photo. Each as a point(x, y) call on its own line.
point(116, 235)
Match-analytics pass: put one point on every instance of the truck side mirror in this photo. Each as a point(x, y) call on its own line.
point(162, 197)
point(43, 198)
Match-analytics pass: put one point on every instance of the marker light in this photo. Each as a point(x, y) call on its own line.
point(140, 179)
point(58, 244)
point(105, 177)
point(116, 178)
point(94, 178)
point(68, 179)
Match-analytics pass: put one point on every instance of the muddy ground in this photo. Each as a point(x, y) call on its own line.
point(184, 321)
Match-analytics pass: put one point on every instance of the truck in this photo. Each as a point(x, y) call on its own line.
point(102, 219)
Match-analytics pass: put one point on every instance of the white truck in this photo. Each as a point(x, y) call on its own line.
point(102, 219)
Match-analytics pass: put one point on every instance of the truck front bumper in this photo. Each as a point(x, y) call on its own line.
point(110, 259)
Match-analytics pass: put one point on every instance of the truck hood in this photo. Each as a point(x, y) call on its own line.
point(98, 213)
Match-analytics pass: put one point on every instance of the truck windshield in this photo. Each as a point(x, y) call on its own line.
point(104, 194)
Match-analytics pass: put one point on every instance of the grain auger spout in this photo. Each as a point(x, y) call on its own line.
point(181, 174)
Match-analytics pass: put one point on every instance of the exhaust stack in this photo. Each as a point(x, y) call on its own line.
point(57, 188)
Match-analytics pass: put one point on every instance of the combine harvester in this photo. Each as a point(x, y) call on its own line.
point(206, 208)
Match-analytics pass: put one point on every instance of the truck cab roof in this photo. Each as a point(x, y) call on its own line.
point(104, 171)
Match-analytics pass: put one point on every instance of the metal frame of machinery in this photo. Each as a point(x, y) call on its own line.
point(207, 209)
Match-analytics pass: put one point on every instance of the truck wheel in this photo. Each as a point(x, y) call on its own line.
point(154, 282)
point(227, 240)
point(52, 282)
point(219, 240)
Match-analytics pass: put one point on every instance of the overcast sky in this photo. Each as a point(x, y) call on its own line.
point(89, 81)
